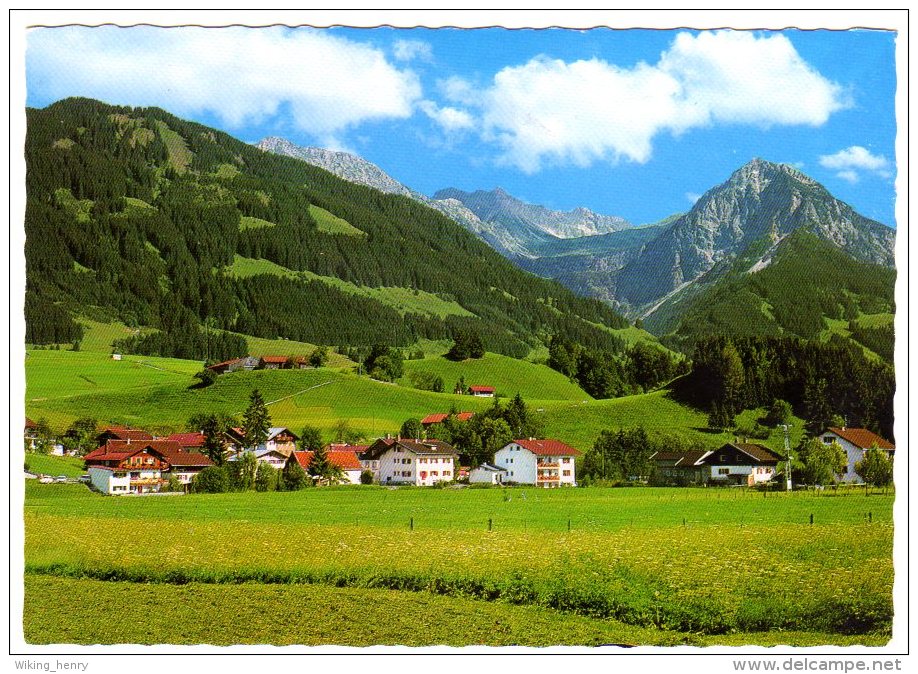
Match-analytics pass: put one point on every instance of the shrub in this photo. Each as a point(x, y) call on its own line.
point(211, 480)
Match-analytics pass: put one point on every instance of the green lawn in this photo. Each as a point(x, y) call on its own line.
point(71, 466)
point(509, 376)
point(247, 222)
point(743, 568)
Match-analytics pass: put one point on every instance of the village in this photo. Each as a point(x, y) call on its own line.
point(134, 461)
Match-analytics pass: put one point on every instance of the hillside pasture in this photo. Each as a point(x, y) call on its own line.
point(508, 375)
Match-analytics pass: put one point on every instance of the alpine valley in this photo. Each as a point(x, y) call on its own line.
point(768, 252)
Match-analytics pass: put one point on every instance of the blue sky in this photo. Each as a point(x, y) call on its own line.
point(635, 123)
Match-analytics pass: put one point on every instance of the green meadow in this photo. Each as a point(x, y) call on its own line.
point(158, 394)
point(636, 566)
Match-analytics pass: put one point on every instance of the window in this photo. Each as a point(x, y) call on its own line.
point(723, 471)
point(566, 473)
point(434, 473)
point(422, 460)
point(446, 473)
point(722, 458)
point(566, 459)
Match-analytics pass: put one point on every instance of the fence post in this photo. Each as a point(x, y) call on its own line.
point(411, 524)
point(811, 519)
point(489, 524)
point(870, 517)
point(568, 523)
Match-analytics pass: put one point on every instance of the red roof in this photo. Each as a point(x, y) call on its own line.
point(548, 447)
point(225, 363)
point(184, 459)
point(187, 439)
point(118, 450)
point(275, 359)
point(344, 460)
point(861, 437)
point(30, 424)
point(481, 389)
point(440, 418)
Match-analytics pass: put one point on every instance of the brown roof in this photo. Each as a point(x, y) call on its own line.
point(30, 424)
point(117, 450)
point(344, 447)
point(344, 460)
point(225, 363)
point(548, 447)
point(759, 452)
point(182, 459)
point(382, 445)
point(275, 359)
point(861, 437)
point(187, 439)
point(439, 418)
point(690, 458)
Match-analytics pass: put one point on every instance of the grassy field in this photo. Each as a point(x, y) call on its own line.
point(743, 568)
point(47, 464)
point(154, 393)
point(509, 376)
point(332, 224)
point(405, 300)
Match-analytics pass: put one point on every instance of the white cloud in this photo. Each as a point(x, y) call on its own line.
point(854, 157)
point(456, 89)
point(586, 111)
point(241, 75)
point(408, 50)
point(692, 197)
point(849, 175)
point(449, 118)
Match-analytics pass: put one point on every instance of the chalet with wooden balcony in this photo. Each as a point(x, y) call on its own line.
point(544, 463)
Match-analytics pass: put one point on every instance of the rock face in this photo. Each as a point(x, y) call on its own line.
point(522, 228)
point(761, 202)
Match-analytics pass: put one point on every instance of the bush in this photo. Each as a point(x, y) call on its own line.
point(211, 480)
point(366, 477)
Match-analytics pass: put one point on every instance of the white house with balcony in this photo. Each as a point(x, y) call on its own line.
point(418, 462)
point(544, 463)
point(855, 442)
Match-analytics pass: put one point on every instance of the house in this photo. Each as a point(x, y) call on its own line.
point(347, 461)
point(432, 419)
point(545, 463)
point(245, 363)
point(678, 468)
point(372, 463)
point(279, 438)
point(141, 467)
point(733, 463)
point(116, 356)
point(482, 391)
point(418, 462)
point(277, 458)
point(184, 465)
point(273, 362)
point(30, 435)
point(855, 442)
point(126, 467)
point(488, 474)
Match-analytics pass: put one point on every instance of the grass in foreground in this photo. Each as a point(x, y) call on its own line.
point(715, 575)
point(65, 610)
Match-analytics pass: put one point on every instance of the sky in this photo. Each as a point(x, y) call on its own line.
point(633, 123)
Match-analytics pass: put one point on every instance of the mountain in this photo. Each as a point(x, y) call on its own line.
point(137, 215)
point(510, 226)
point(760, 205)
point(522, 228)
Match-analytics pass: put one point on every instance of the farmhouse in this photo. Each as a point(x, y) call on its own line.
point(855, 442)
point(138, 467)
point(419, 462)
point(272, 362)
point(122, 467)
point(733, 463)
point(482, 391)
point(546, 463)
point(368, 462)
point(280, 438)
point(347, 461)
point(245, 363)
point(189, 442)
point(487, 474)
point(432, 419)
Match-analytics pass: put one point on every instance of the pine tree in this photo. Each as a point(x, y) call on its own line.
point(322, 470)
point(255, 421)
